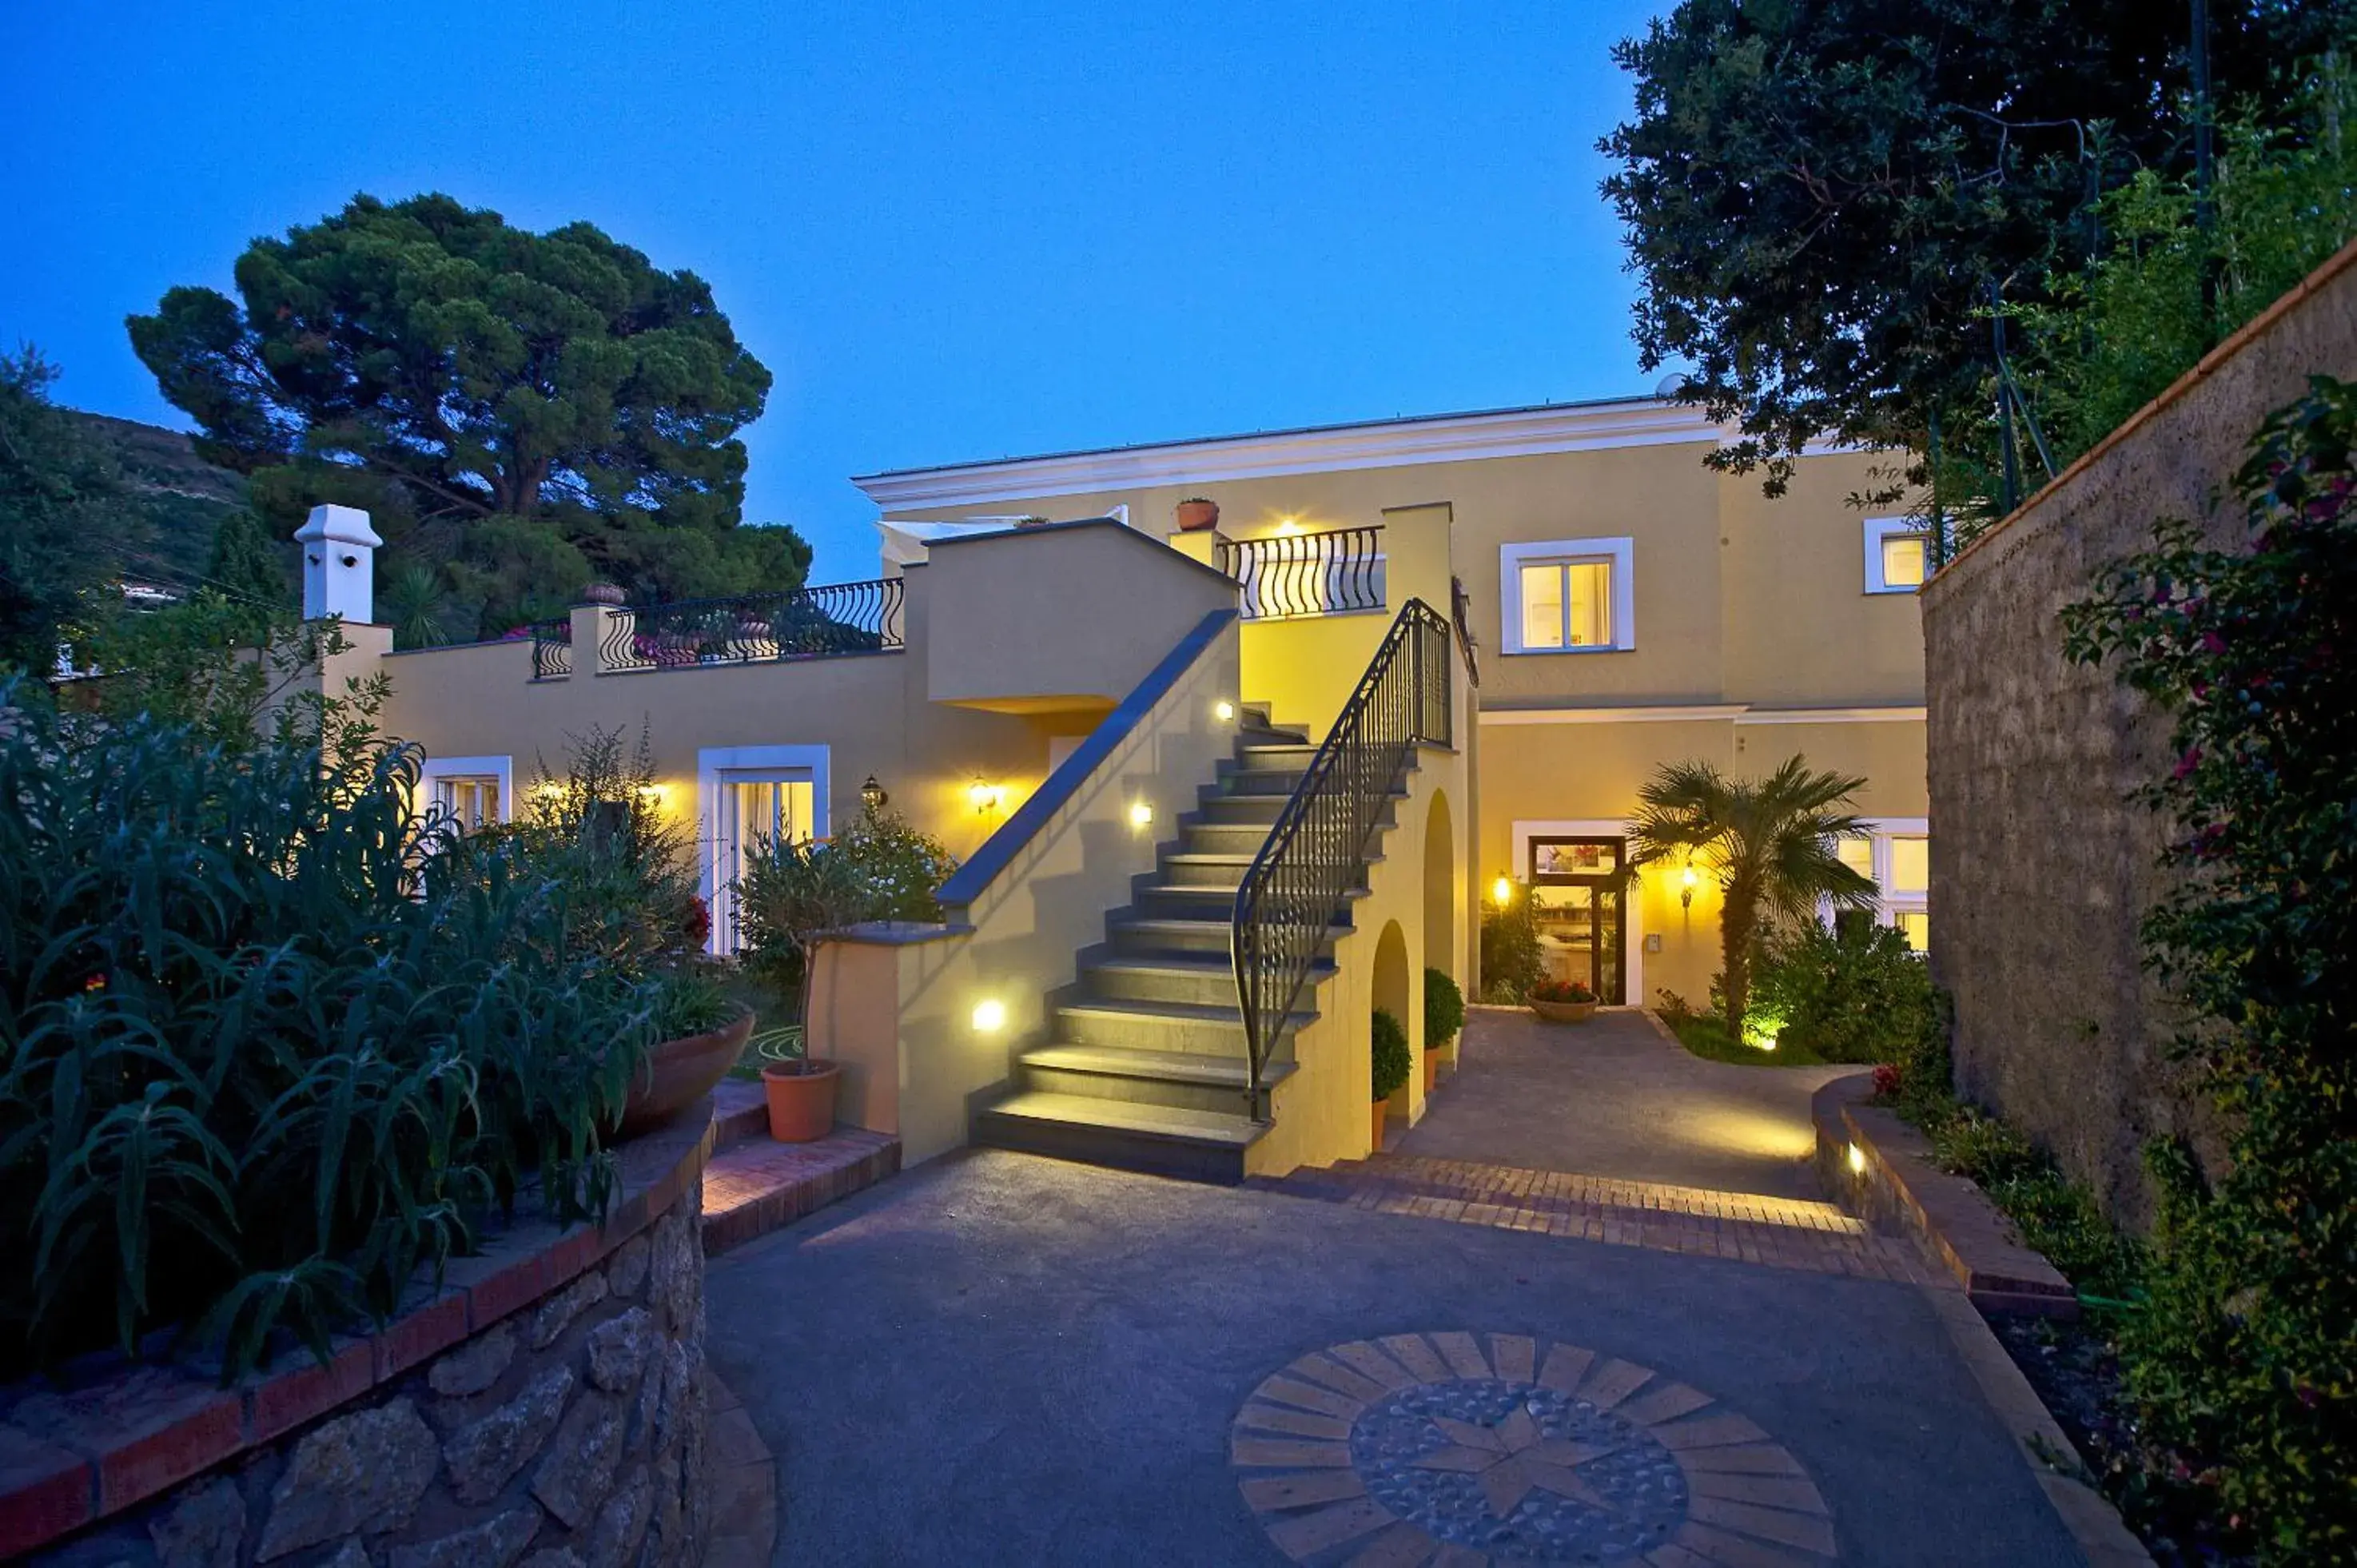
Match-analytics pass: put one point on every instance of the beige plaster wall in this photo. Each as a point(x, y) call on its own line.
point(897, 1012)
point(2042, 866)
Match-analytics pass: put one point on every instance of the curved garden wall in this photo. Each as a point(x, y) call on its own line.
point(546, 1407)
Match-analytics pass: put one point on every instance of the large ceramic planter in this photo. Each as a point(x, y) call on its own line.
point(801, 1100)
point(1564, 1012)
point(680, 1072)
point(1195, 516)
point(1376, 1143)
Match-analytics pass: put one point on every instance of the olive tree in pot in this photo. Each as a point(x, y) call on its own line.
point(793, 896)
point(1392, 1063)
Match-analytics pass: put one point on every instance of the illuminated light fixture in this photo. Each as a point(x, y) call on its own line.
point(548, 790)
point(652, 794)
point(1287, 525)
point(1141, 815)
point(989, 1015)
point(1857, 1160)
point(985, 795)
point(1687, 882)
point(1502, 892)
point(872, 795)
point(1225, 711)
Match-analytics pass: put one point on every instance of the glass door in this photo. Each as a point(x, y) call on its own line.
point(777, 805)
point(1578, 892)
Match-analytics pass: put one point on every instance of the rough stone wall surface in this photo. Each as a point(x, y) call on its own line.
point(2042, 867)
point(569, 1434)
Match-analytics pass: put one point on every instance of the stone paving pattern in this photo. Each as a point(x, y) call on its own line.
point(1789, 1233)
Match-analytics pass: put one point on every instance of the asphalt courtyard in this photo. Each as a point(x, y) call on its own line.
point(996, 1358)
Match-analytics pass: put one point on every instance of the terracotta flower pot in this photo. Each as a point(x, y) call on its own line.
point(1564, 1012)
point(678, 1073)
point(1195, 516)
point(1431, 1070)
point(801, 1100)
point(1376, 1143)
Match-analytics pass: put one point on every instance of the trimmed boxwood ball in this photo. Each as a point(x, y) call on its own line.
point(1392, 1060)
point(1444, 1009)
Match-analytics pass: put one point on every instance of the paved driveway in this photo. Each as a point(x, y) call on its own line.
point(1612, 1098)
point(1002, 1360)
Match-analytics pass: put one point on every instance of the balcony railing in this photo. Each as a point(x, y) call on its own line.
point(811, 623)
point(1285, 575)
point(552, 649)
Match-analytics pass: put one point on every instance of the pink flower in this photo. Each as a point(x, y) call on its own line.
point(2188, 763)
point(2212, 643)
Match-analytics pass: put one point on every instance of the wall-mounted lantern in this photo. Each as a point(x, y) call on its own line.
point(872, 796)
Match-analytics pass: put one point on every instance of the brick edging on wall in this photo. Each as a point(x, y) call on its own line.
point(75, 1452)
point(1949, 1217)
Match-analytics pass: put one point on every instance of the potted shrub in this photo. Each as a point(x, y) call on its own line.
point(1563, 1001)
point(1444, 1014)
point(793, 896)
point(1196, 514)
point(701, 1034)
point(1392, 1065)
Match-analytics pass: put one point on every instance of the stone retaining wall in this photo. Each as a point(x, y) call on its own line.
point(545, 1408)
point(2042, 866)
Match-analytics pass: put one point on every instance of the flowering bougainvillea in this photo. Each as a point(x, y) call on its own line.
point(2246, 1351)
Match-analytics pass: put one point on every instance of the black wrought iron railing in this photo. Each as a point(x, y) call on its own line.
point(1322, 573)
point(1460, 610)
point(552, 649)
point(809, 622)
point(1316, 856)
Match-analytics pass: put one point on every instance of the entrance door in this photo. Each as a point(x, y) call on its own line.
point(1579, 890)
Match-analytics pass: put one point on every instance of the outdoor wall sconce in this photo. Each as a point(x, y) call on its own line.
point(1687, 882)
point(1141, 815)
point(1502, 892)
point(1225, 711)
point(985, 795)
point(989, 1016)
point(651, 795)
point(1857, 1160)
point(872, 795)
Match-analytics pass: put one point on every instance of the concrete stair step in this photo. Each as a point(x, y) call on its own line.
point(757, 1186)
point(1195, 868)
point(1188, 1030)
point(1206, 980)
point(1172, 1079)
point(1261, 810)
point(1143, 937)
point(740, 1112)
point(1224, 838)
point(1159, 1140)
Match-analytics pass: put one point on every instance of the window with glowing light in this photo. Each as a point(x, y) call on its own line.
point(757, 806)
point(1898, 555)
point(472, 800)
point(1567, 595)
point(1896, 857)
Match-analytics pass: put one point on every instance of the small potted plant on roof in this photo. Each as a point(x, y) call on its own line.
point(1563, 1001)
point(1196, 513)
point(1391, 1064)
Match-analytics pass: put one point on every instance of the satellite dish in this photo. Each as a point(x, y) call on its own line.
point(1670, 386)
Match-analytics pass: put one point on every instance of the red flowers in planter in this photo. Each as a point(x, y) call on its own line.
point(1886, 1081)
point(1561, 991)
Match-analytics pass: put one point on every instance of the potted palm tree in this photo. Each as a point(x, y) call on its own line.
point(1771, 844)
point(1391, 1064)
point(792, 898)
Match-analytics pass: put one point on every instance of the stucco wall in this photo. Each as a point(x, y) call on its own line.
point(2041, 866)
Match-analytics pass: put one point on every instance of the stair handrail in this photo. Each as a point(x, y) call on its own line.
point(1316, 851)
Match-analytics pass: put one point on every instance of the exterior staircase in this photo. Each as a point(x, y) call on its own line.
point(1147, 1069)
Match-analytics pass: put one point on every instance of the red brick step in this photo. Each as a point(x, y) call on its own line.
point(754, 1185)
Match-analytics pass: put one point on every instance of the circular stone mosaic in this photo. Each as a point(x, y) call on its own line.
point(1462, 1449)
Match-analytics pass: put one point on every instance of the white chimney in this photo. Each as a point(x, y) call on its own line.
point(339, 564)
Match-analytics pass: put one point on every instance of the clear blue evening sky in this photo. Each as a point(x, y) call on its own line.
point(950, 233)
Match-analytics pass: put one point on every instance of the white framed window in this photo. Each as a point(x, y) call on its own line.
point(1897, 857)
point(475, 791)
point(1568, 596)
point(748, 794)
point(1898, 554)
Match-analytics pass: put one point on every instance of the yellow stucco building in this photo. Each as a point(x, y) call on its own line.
point(1224, 788)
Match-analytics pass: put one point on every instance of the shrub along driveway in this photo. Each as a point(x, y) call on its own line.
point(1612, 1098)
point(1002, 1360)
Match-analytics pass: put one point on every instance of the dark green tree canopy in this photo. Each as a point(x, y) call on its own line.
point(1819, 194)
point(457, 375)
point(64, 525)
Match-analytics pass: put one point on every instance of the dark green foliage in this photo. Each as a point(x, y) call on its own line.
point(1856, 993)
point(692, 1000)
point(176, 499)
point(1392, 1061)
point(65, 530)
point(2056, 1217)
point(1820, 196)
point(1444, 1009)
point(904, 867)
point(1511, 960)
point(522, 412)
point(246, 564)
point(212, 664)
point(1768, 842)
point(271, 1042)
point(2247, 1353)
point(880, 868)
point(1704, 1035)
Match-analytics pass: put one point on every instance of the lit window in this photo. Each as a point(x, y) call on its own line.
point(472, 799)
point(1902, 560)
point(1898, 554)
point(760, 807)
point(1915, 925)
point(1910, 865)
point(1567, 595)
point(1858, 855)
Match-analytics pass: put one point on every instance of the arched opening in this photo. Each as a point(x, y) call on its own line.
point(1440, 889)
point(1393, 992)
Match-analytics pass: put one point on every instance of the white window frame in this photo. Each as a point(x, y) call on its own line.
point(712, 766)
point(1889, 905)
point(1878, 529)
point(500, 769)
point(1619, 553)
